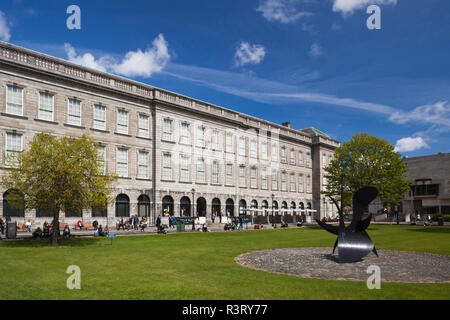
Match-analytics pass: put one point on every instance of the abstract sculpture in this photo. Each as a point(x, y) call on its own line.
point(353, 242)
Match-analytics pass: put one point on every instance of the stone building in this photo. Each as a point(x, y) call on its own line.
point(173, 154)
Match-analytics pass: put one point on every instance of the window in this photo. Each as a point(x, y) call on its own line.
point(201, 171)
point(330, 158)
point(45, 111)
point(274, 180)
point(185, 134)
point(292, 182)
point(308, 160)
point(201, 136)
point(253, 151)
point(74, 112)
point(143, 126)
point(167, 129)
point(283, 155)
point(242, 146)
point(242, 176)
point(184, 168)
point(167, 166)
point(13, 148)
point(292, 158)
point(215, 139)
point(14, 100)
point(264, 150)
point(274, 153)
point(99, 117)
point(142, 164)
point(300, 158)
point(215, 173)
point(229, 174)
point(122, 121)
point(300, 183)
point(308, 184)
point(229, 142)
point(283, 181)
point(324, 183)
point(122, 162)
point(324, 160)
point(101, 150)
point(253, 178)
point(264, 179)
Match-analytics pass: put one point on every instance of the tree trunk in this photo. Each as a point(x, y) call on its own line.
point(55, 231)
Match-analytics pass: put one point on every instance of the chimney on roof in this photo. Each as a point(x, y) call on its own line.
point(286, 124)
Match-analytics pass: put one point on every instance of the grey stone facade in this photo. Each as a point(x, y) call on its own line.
point(233, 142)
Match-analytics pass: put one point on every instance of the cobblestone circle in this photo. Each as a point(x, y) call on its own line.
point(320, 263)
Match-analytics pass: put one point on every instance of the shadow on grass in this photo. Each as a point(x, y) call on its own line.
point(430, 229)
point(43, 243)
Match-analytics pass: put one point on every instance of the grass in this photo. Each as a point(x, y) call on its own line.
point(199, 266)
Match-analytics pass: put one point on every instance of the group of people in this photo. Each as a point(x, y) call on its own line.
point(133, 223)
point(234, 224)
point(330, 219)
point(415, 217)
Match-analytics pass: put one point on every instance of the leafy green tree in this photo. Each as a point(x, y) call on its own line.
point(367, 161)
point(58, 174)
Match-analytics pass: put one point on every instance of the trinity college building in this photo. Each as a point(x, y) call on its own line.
point(173, 154)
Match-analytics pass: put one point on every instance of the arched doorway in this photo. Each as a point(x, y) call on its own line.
point(265, 207)
point(229, 207)
point(284, 208)
point(143, 206)
point(242, 207)
point(201, 207)
point(122, 205)
point(293, 207)
point(275, 207)
point(185, 207)
point(215, 208)
point(167, 206)
point(254, 206)
point(8, 209)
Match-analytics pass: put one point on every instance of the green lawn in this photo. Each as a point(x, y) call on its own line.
point(199, 266)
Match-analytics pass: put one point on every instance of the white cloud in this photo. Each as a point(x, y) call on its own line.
point(249, 54)
point(315, 51)
point(438, 114)
point(5, 34)
point(135, 63)
point(348, 6)
point(284, 11)
point(409, 144)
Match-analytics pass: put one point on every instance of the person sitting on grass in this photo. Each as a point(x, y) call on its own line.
point(37, 233)
point(66, 232)
point(100, 232)
point(284, 224)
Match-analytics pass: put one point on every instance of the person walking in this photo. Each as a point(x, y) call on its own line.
point(158, 222)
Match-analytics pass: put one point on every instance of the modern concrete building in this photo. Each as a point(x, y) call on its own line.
point(173, 154)
point(430, 190)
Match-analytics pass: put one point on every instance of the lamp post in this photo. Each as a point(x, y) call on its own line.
point(193, 217)
point(272, 208)
point(341, 213)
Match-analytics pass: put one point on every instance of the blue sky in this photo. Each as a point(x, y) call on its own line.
point(310, 62)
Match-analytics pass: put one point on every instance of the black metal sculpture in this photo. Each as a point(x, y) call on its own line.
point(353, 242)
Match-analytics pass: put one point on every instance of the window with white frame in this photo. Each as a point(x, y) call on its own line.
point(253, 149)
point(264, 150)
point(292, 182)
point(201, 176)
point(242, 146)
point(324, 183)
point(167, 166)
point(101, 150)
point(122, 162)
point(185, 133)
point(300, 158)
point(274, 178)
point(99, 117)
point(264, 178)
point(242, 176)
point(201, 136)
point(324, 160)
point(143, 125)
point(274, 153)
point(330, 158)
point(253, 178)
point(13, 148)
point(283, 181)
point(229, 174)
point(300, 183)
point(142, 164)
point(229, 142)
point(215, 140)
point(185, 164)
point(167, 129)
point(308, 160)
point(283, 155)
point(45, 111)
point(14, 100)
point(215, 172)
point(74, 112)
point(308, 183)
point(292, 157)
point(122, 121)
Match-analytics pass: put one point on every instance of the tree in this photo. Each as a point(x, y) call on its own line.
point(58, 174)
point(368, 161)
